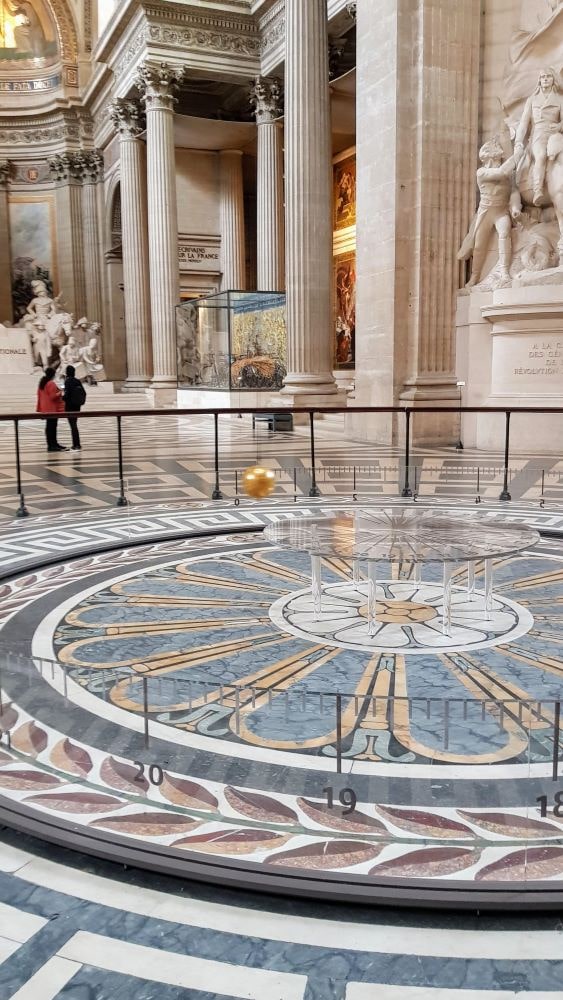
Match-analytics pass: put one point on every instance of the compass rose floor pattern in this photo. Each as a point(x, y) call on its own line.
point(161, 704)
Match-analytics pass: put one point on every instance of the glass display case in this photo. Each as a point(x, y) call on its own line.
point(232, 341)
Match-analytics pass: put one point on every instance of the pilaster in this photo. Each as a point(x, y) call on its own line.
point(308, 168)
point(66, 171)
point(128, 118)
point(92, 163)
point(158, 82)
point(266, 99)
point(418, 89)
point(233, 247)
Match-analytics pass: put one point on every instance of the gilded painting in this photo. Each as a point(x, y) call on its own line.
point(345, 310)
point(32, 247)
point(27, 34)
point(345, 193)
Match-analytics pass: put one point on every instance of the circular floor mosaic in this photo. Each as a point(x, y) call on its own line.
point(170, 696)
point(223, 645)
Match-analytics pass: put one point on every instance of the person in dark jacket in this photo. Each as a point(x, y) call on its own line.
point(74, 398)
point(50, 400)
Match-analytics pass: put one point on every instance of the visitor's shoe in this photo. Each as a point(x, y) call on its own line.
point(61, 447)
point(76, 448)
point(52, 449)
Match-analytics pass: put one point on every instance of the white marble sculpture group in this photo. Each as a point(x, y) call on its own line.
point(57, 341)
point(520, 184)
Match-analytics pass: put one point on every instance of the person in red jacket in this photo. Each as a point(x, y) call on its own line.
point(50, 400)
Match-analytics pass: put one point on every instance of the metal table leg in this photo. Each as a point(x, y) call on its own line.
point(447, 618)
point(417, 573)
point(471, 581)
point(488, 588)
point(316, 586)
point(356, 574)
point(372, 597)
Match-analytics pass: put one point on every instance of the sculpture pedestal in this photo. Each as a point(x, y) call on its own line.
point(510, 354)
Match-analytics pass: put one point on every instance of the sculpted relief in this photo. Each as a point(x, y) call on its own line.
point(517, 233)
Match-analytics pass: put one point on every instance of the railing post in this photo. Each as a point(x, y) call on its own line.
point(216, 495)
point(407, 492)
point(339, 734)
point(22, 510)
point(505, 495)
point(122, 499)
point(556, 738)
point(314, 491)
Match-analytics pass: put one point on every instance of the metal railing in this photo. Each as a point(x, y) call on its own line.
point(407, 487)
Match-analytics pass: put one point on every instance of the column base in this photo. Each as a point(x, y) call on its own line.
point(136, 384)
point(321, 390)
point(345, 379)
point(286, 399)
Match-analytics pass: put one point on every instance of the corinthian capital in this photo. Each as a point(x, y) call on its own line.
point(66, 167)
point(6, 171)
point(92, 164)
point(158, 83)
point(266, 99)
point(128, 117)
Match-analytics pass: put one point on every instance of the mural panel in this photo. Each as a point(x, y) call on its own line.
point(345, 194)
point(32, 245)
point(345, 309)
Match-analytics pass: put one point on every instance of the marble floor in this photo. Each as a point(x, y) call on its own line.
point(79, 929)
point(97, 600)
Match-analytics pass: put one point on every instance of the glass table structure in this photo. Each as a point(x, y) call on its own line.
point(412, 536)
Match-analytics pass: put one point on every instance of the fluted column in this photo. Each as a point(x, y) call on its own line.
point(6, 309)
point(158, 82)
point(129, 120)
point(266, 99)
point(308, 196)
point(233, 246)
point(66, 170)
point(92, 175)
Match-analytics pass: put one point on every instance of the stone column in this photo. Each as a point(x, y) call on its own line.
point(233, 246)
point(266, 99)
point(158, 83)
point(129, 120)
point(6, 309)
point(308, 187)
point(417, 137)
point(92, 175)
point(66, 170)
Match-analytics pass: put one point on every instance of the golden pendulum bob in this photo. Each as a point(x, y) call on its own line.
point(258, 482)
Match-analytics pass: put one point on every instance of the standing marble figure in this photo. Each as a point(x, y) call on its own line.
point(494, 180)
point(542, 118)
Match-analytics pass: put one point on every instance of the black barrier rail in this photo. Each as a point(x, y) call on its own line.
point(405, 413)
point(538, 720)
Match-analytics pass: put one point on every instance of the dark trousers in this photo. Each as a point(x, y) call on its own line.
point(73, 421)
point(51, 432)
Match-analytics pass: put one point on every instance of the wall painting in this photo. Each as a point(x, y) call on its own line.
point(345, 309)
point(32, 247)
point(345, 193)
